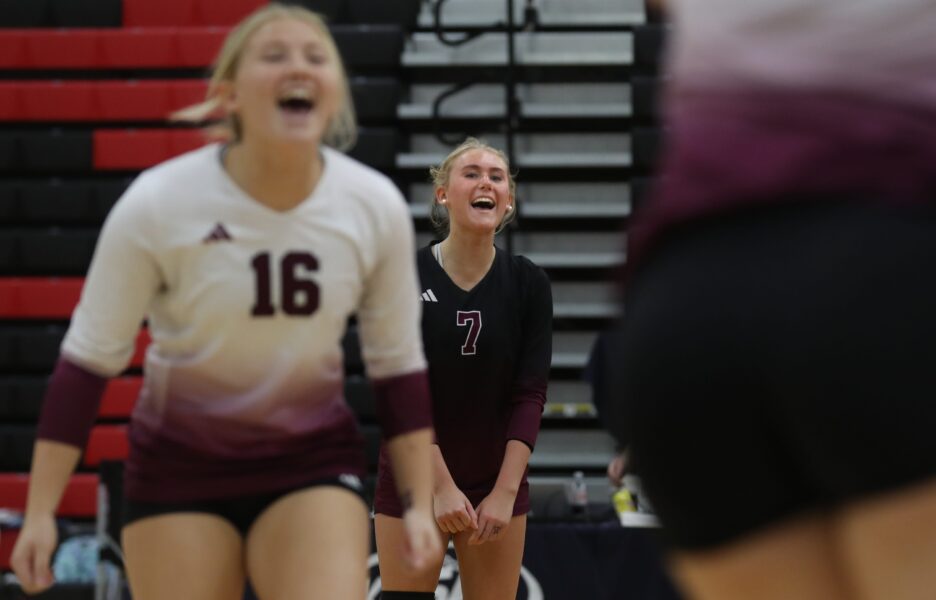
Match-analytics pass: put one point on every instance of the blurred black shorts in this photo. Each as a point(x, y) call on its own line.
point(780, 361)
point(241, 512)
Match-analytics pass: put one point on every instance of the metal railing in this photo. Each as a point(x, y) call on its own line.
point(512, 102)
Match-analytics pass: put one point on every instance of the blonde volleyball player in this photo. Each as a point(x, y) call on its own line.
point(487, 330)
point(247, 258)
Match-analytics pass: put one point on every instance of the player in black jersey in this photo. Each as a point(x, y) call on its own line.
point(487, 332)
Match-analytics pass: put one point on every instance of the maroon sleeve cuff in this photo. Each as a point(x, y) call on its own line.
point(403, 403)
point(71, 404)
point(525, 416)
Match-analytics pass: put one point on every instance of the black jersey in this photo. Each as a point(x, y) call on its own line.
point(489, 351)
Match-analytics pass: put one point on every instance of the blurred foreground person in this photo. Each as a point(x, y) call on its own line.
point(779, 323)
point(247, 258)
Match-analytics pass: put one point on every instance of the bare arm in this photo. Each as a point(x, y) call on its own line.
point(412, 466)
point(52, 465)
point(441, 478)
point(452, 510)
point(516, 457)
point(410, 455)
point(496, 510)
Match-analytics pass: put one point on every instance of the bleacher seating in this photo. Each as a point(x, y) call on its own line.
point(133, 13)
point(34, 348)
point(57, 201)
point(61, 13)
point(31, 298)
point(79, 151)
point(185, 13)
point(52, 101)
point(168, 47)
point(46, 151)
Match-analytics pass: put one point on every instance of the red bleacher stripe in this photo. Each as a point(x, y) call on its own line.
point(187, 92)
point(97, 100)
point(122, 149)
point(152, 47)
point(126, 100)
point(199, 47)
point(53, 100)
point(107, 442)
point(52, 298)
point(146, 13)
point(226, 12)
point(7, 541)
point(29, 298)
point(11, 102)
point(79, 499)
point(13, 47)
point(142, 341)
point(127, 149)
point(60, 48)
point(120, 397)
point(138, 47)
point(30, 101)
point(186, 140)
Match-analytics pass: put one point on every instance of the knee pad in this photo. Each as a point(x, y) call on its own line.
point(407, 595)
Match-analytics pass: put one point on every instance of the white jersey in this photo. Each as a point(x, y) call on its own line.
point(883, 49)
point(247, 306)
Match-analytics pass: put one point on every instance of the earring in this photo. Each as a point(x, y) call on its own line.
point(509, 207)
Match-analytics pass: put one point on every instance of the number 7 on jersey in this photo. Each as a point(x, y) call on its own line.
point(472, 318)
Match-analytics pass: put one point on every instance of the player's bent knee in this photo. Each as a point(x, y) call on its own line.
point(407, 595)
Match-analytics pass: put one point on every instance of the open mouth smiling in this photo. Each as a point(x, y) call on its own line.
point(296, 102)
point(483, 204)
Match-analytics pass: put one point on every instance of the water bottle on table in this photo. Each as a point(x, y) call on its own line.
point(578, 495)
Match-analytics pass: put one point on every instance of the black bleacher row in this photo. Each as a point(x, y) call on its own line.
point(54, 150)
point(57, 201)
point(135, 13)
point(33, 348)
point(51, 251)
point(69, 151)
point(71, 52)
point(16, 443)
point(61, 13)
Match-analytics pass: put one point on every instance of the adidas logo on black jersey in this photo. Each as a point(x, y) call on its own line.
point(218, 234)
point(428, 296)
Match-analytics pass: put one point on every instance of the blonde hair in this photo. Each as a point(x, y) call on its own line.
point(438, 215)
point(342, 130)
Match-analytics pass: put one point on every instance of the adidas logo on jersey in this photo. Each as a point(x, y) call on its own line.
point(218, 234)
point(428, 296)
